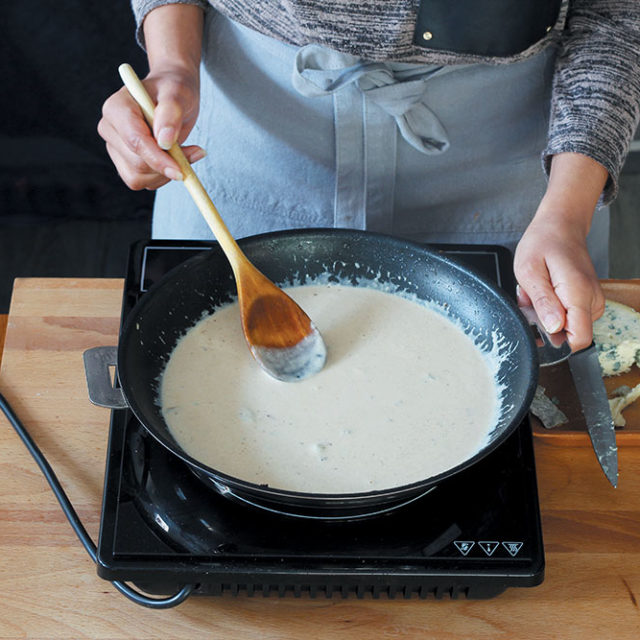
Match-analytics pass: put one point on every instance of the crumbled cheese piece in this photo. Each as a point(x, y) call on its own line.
point(617, 338)
point(546, 410)
point(621, 402)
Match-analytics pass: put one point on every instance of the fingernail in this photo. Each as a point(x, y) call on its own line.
point(166, 137)
point(172, 174)
point(552, 323)
point(197, 155)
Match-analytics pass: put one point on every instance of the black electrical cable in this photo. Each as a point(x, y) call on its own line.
point(78, 527)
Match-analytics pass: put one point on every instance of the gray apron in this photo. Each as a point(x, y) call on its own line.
point(308, 137)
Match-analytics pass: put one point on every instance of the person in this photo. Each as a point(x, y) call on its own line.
point(478, 124)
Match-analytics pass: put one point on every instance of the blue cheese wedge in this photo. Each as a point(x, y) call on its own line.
point(617, 338)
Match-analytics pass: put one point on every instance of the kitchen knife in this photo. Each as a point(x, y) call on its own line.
point(587, 378)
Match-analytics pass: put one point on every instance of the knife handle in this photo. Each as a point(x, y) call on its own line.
point(552, 347)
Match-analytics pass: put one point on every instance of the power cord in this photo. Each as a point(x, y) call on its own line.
point(76, 524)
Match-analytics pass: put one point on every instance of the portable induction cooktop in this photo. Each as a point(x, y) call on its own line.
point(475, 535)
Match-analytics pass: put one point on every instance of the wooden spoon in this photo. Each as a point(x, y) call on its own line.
point(280, 335)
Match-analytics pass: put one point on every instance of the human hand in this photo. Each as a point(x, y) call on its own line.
point(556, 276)
point(138, 153)
point(552, 265)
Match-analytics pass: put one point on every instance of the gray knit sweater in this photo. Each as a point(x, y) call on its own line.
point(596, 94)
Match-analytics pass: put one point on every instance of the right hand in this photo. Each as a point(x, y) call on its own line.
point(138, 153)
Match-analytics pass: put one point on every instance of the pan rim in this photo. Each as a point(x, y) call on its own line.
point(351, 498)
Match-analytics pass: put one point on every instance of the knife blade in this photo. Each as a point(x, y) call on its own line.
point(587, 378)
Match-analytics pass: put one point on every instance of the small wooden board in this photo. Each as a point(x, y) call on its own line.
point(559, 387)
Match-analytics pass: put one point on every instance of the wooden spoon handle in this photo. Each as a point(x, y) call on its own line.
point(191, 182)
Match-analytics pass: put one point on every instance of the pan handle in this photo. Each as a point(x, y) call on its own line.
point(552, 347)
point(102, 390)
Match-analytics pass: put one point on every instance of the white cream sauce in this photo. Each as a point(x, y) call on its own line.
point(405, 394)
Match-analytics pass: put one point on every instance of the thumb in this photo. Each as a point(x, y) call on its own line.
point(536, 286)
point(167, 122)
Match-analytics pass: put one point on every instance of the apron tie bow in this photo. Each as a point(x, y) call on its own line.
point(320, 72)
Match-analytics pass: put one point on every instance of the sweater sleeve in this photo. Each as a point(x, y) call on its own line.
point(142, 7)
point(596, 94)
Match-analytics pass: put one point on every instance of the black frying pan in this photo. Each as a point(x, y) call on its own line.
point(178, 301)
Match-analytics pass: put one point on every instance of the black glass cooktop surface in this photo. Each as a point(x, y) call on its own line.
point(474, 535)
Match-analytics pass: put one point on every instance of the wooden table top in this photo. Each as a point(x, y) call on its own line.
point(49, 584)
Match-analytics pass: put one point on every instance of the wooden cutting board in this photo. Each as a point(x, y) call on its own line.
point(559, 387)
